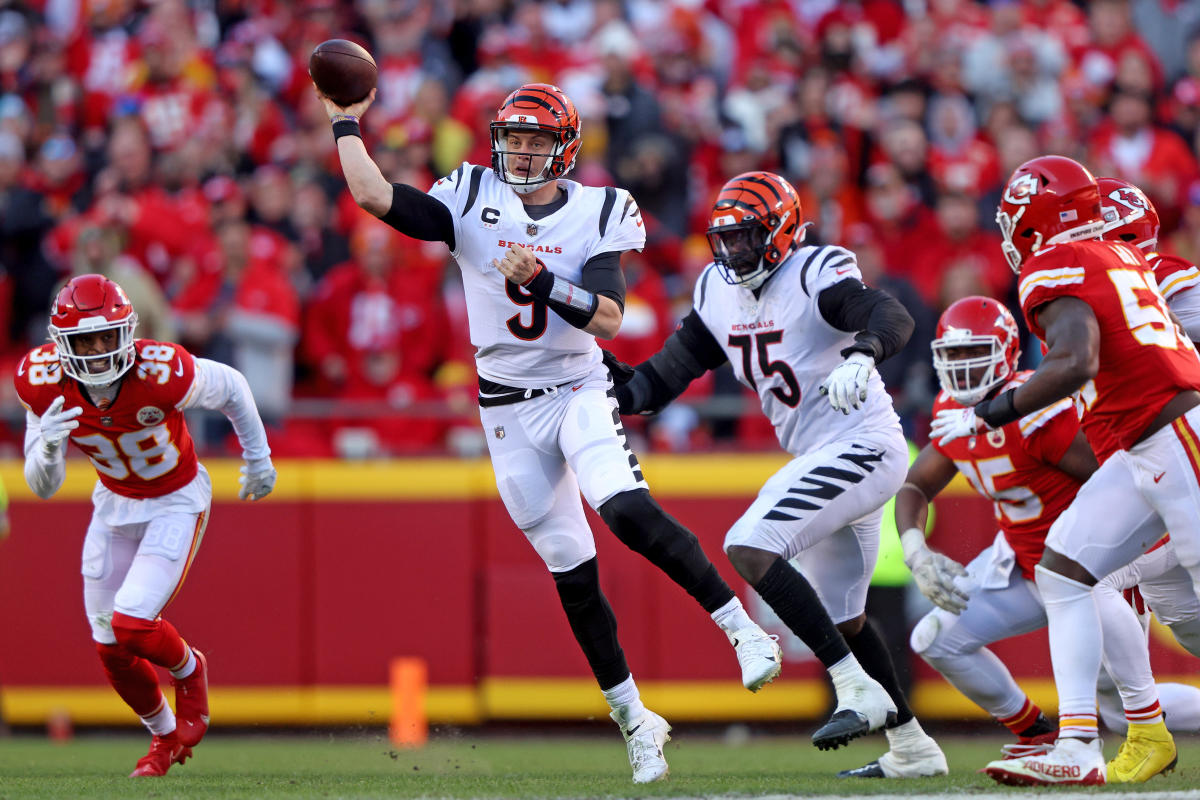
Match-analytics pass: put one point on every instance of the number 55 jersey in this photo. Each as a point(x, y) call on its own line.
point(1144, 359)
point(139, 443)
point(780, 346)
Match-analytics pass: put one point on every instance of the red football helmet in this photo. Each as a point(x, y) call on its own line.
point(1129, 216)
point(89, 304)
point(1048, 200)
point(755, 225)
point(536, 107)
point(975, 322)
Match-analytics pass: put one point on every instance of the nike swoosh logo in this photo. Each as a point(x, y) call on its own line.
point(842, 271)
point(576, 388)
point(21, 369)
point(179, 371)
point(632, 731)
point(1159, 477)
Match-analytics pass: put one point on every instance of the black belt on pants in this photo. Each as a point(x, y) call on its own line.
point(501, 395)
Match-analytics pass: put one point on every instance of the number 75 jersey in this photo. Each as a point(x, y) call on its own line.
point(1144, 359)
point(780, 346)
point(139, 445)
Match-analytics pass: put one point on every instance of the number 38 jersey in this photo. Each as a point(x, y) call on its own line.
point(139, 444)
point(518, 340)
point(1144, 361)
point(781, 347)
point(1014, 467)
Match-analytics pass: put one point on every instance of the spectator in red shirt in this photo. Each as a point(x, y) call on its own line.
point(962, 254)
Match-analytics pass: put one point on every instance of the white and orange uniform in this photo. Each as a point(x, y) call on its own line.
point(152, 498)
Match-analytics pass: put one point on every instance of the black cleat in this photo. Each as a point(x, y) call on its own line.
point(843, 727)
point(872, 770)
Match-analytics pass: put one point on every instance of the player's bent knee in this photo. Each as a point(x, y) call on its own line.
point(640, 522)
point(925, 633)
point(1187, 633)
point(102, 630)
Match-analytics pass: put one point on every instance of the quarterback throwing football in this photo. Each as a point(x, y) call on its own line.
point(121, 401)
point(541, 265)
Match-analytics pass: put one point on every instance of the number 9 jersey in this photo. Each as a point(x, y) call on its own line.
point(139, 444)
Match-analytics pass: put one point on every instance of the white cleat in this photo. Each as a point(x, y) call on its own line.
point(1077, 762)
point(912, 754)
point(759, 656)
point(862, 708)
point(645, 739)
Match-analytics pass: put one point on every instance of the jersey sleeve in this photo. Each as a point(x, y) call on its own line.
point(38, 379)
point(167, 370)
point(1050, 274)
point(457, 192)
point(621, 225)
point(1047, 433)
point(1175, 275)
point(825, 266)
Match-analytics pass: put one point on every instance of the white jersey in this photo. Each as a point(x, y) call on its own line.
point(780, 346)
point(518, 340)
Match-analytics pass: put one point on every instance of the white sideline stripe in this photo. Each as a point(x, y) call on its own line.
point(1191, 794)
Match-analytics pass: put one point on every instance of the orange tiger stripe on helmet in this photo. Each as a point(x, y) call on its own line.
point(537, 107)
point(752, 201)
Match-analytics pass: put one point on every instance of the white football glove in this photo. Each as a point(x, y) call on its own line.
point(258, 479)
point(846, 386)
point(934, 572)
point(56, 425)
point(956, 423)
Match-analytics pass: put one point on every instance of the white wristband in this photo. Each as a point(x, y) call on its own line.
point(913, 542)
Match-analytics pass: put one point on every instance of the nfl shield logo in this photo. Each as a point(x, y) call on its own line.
point(106, 420)
point(531, 229)
point(499, 431)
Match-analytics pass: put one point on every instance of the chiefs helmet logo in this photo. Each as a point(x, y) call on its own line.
point(1021, 191)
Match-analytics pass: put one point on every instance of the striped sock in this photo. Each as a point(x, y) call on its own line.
point(1078, 726)
point(1021, 721)
point(1150, 715)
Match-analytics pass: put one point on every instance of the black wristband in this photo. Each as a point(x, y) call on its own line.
point(541, 284)
point(999, 410)
point(570, 301)
point(346, 127)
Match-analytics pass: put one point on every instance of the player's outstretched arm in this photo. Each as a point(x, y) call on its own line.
point(220, 387)
point(368, 186)
point(687, 354)
point(45, 447)
point(933, 572)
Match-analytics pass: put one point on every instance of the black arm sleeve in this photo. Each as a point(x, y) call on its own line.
point(880, 323)
point(687, 354)
point(416, 214)
point(602, 275)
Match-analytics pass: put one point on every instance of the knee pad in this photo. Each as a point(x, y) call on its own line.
point(562, 542)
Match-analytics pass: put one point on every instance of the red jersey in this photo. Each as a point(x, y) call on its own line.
point(1015, 467)
point(140, 444)
point(1173, 274)
point(1144, 360)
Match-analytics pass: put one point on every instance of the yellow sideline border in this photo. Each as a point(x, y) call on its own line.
point(426, 479)
point(499, 699)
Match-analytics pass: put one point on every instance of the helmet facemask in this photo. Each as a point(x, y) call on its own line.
point(1008, 227)
point(554, 164)
point(100, 369)
point(969, 380)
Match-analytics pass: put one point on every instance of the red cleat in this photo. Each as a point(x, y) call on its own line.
point(191, 703)
point(164, 751)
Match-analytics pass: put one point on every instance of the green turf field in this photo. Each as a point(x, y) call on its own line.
point(343, 765)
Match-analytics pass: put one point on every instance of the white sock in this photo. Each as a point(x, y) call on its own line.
point(846, 673)
point(1126, 657)
point(905, 734)
point(625, 701)
point(1075, 646)
point(161, 722)
point(189, 666)
point(732, 617)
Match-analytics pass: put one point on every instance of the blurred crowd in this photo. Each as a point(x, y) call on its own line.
point(179, 148)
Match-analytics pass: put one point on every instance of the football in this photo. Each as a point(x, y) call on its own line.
point(343, 71)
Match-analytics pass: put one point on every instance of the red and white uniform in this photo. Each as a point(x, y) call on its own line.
point(1143, 488)
point(1176, 277)
point(1144, 362)
point(139, 445)
point(152, 498)
point(1014, 467)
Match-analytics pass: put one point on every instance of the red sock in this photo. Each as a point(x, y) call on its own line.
point(1021, 720)
point(134, 678)
point(156, 640)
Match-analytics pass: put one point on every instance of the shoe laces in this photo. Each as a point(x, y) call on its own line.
point(762, 644)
